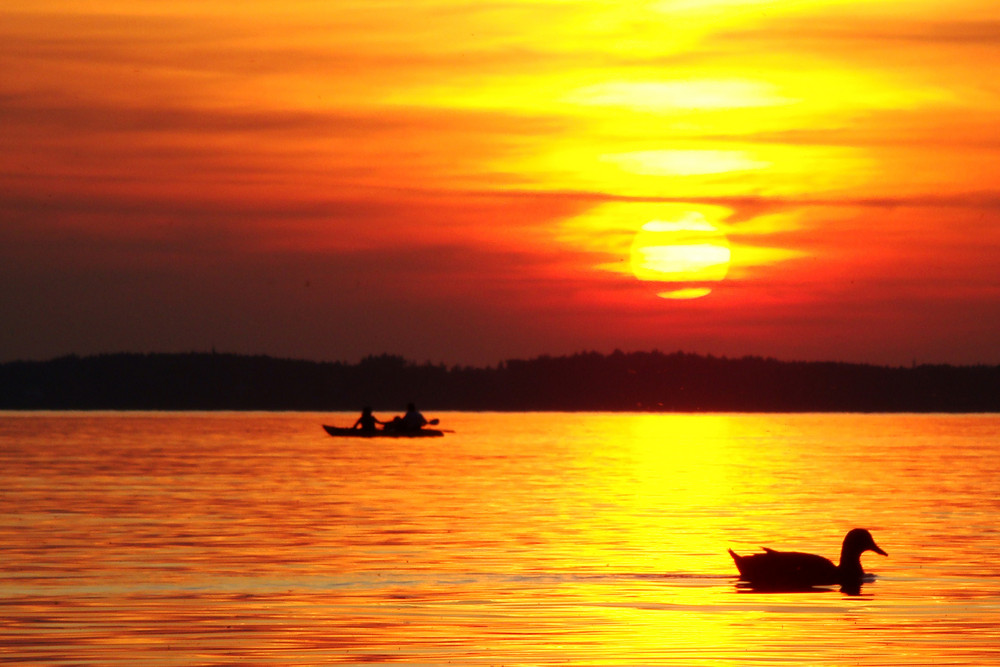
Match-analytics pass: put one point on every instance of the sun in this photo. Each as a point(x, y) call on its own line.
point(688, 255)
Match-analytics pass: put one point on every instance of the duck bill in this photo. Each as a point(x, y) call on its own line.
point(878, 550)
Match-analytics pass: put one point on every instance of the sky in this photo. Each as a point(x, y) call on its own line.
point(470, 181)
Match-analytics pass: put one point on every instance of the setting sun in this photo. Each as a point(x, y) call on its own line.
point(679, 253)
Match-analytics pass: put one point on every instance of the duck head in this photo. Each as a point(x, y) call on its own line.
point(859, 541)
point(856, 543)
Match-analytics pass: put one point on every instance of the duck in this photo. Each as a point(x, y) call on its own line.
point(791, 570)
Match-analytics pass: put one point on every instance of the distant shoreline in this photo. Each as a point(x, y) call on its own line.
point(617, 382)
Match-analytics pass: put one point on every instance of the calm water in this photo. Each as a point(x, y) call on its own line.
point(526, 539)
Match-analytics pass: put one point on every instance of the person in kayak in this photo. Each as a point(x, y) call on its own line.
point(413, 420)
point(367, 421)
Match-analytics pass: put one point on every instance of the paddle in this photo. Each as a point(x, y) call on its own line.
point(435, 422)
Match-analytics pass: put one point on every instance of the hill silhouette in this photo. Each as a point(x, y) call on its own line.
point(637, 381)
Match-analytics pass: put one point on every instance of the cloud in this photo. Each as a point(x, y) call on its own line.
point(830, 31)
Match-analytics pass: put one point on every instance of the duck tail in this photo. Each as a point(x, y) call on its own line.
point(738, 559)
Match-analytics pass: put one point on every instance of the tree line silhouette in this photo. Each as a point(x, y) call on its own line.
point(636, 381)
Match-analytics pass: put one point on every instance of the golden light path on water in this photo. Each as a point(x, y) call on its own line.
point(519, 539)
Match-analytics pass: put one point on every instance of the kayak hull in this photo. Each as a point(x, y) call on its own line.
point(340, 432)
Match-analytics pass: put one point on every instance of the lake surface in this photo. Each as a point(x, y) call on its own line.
point(520, 539)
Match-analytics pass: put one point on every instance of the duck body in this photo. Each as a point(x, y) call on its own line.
point(795, 570)
point(786, 569)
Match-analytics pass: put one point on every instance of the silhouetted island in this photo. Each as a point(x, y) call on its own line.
point(637, 381)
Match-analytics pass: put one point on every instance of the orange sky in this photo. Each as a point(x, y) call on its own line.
point(467, 182)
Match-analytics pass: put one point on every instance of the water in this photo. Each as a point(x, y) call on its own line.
point(524, 539)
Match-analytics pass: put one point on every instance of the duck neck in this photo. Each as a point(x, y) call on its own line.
point(850, 563)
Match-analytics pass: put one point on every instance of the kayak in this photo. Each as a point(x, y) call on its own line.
point(340, 432)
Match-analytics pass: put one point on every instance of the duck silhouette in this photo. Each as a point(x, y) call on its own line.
point(791, 570)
